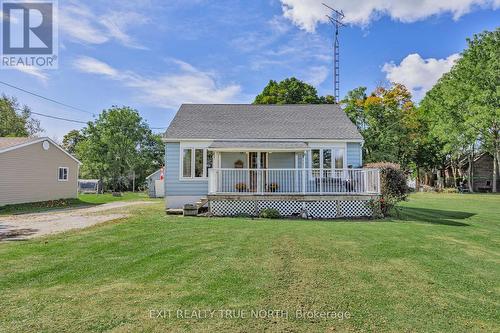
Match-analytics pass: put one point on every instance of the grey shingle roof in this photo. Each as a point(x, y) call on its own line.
point(258, 145)
point(261, 122)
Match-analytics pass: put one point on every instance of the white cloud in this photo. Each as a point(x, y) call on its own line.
point(94, 66)
point(316, 75)
point(306, 14)
point(80, 24)
point(417, 74)
point(186, 84)
point(33, 71)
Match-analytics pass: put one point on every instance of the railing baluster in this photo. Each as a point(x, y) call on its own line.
point(276, 181)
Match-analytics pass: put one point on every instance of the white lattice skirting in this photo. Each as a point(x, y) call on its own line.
point(321, 209)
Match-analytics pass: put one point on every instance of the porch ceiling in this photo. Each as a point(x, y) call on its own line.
point(257, 145)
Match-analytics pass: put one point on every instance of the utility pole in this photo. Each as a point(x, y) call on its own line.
point(336, 18)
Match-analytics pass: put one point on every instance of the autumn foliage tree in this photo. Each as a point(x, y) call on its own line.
point(388, 121)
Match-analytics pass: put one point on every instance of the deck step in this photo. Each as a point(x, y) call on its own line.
point(202, 202)
point(173, 211)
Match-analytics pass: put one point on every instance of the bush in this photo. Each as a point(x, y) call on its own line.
point(270, 213)
point(393, 188)
point(449, 190)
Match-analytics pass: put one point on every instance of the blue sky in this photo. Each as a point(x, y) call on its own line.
point(154, 55)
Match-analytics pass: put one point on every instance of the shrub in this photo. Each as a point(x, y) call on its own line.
point(393, 188)
point(270, 213)
point(449, 190)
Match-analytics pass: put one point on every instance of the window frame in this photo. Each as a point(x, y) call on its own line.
point(333, 154)
point(59, 174)
point(193, 149)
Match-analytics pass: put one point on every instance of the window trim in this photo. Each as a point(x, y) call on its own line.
point(333, 149)
point(193, 149)
point(59, 173)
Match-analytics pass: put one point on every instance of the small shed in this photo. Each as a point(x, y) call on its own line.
point(155, 182)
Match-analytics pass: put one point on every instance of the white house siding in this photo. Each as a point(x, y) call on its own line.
point(179, 192)
point(30, 174)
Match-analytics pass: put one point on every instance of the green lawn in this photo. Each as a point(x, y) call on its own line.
point(435, 269)
point(82, 200)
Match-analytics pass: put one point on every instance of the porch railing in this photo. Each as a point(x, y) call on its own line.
point(294, 181)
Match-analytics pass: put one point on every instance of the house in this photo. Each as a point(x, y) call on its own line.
point(155, 183)
point(298, 159)
point(482, 173)
point(36, 169)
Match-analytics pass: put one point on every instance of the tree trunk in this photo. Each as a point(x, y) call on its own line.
point(470, 183)
point(455, 173)
point(495, 172)
point(417, 180)
point(439, 179)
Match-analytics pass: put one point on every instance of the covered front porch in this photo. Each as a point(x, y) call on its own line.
point(276, 168)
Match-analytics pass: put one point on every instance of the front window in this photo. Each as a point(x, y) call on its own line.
point(210, 161)
point(315, 158)
point(186, 163)
point(63, 174)
point(339, 158)
point(327, 159)
point(196, 162)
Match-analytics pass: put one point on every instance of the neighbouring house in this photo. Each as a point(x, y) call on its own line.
point(156, 185)
point(36, 169)
point(299, 159)
point(482, 174)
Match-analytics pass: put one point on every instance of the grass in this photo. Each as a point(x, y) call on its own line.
point(435, 268)
point(82, 200)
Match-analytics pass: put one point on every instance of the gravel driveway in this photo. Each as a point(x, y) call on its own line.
point(25, 226)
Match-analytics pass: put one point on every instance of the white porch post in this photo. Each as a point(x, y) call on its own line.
point(304, 172)
point(259, 180)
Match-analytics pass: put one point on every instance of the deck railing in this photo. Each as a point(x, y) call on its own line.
point(294, 181)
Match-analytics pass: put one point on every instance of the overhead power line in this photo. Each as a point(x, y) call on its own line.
point(59, 118)
point(59, 103)
point(46, 98)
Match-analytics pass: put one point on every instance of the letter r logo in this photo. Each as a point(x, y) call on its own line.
point(27, 28)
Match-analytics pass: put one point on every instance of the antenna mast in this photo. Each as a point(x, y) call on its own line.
point(336, 18)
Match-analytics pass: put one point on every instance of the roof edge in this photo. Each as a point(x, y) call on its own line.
point(25, 144)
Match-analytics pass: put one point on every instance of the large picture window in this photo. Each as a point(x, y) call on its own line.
point(327, 159)
point(196, 162)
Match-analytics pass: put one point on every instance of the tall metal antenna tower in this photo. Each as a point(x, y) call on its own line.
point(336, 18)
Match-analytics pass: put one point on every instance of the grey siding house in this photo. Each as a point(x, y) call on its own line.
point(36, 169)
point(241, 158)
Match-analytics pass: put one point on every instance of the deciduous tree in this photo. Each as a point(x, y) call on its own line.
point(118, 146)
point(291, 91)
point(16, 121)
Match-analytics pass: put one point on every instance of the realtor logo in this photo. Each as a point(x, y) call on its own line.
point(29, 34)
